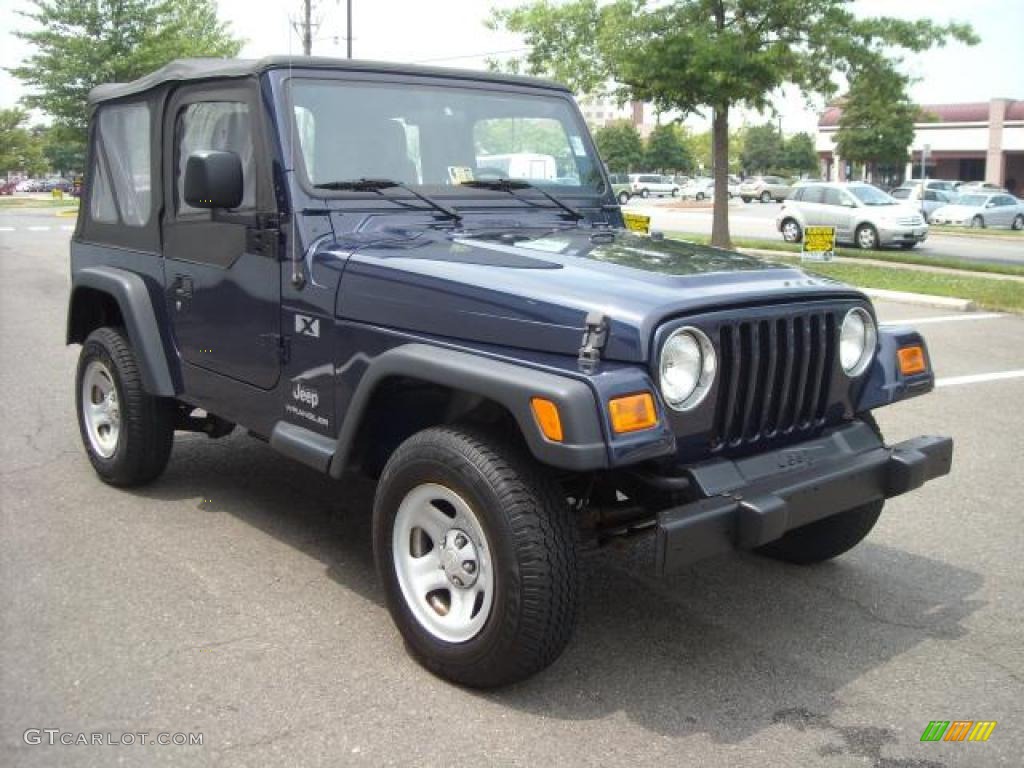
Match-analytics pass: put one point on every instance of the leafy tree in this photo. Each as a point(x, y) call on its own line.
point(667, 150)
point(799, 154)
point(63, 150)
point(20, 150)
point(691, 55)
point(82, 43)
point(620, 146)
point(876, 125)
point(762, 149)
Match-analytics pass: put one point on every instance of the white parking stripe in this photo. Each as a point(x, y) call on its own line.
point(68, 228)
point(6, 229)
point(945, 319)
point(39, 229)
point(979, 378)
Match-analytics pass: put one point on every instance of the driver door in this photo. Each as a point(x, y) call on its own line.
point(221, 270)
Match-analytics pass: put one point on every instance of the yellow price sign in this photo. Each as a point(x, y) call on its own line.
point(636, 222)
point(819, 244)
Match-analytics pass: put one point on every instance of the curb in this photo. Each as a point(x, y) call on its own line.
point(922, 300)
point(917, 299)
point(72, 213)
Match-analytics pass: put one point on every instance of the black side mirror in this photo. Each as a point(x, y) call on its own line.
point(213, 180)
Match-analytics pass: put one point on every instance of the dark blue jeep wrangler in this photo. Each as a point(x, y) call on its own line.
point(423, 275)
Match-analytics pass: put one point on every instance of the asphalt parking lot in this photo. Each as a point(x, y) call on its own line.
point(236, 598)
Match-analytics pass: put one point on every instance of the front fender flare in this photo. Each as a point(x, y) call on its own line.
point(512, 386)
point(133, 299)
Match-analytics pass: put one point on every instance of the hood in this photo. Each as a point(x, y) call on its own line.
point(534, 291)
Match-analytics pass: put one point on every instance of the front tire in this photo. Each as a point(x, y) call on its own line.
point(745, 199)
point(127, 433)
point(1018, 222)
point(766, 197)
point(645, 193)
point(451, 497)
point(866, 237)
point(977, 223)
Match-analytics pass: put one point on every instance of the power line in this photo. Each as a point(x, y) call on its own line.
point(471, 55)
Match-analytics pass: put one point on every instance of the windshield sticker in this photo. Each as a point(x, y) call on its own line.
point(460, 174)
point(577, 146)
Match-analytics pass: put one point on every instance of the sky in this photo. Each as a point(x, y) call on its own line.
point(452, 33)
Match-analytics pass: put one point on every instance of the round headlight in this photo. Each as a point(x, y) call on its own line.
point(857, 340)
point(687, 368)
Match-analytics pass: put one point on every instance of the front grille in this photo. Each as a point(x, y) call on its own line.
point(910, 221)
point(775, 377)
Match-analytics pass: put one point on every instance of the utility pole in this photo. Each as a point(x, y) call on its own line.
point(305, 27)
point(348, 29)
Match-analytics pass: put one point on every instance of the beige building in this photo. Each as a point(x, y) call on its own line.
point(982, 141)
point(598, 112)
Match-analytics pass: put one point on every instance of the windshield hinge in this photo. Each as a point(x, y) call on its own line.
point(595, 336)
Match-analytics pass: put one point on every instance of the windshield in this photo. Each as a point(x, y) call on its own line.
point(975, 201)
point(871, 195)
point(437, 137)
point(901, 194)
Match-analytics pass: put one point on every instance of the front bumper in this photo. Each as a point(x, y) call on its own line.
point(901, 234)
point(749, 502)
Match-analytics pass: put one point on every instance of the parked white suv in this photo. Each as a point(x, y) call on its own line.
point(861, 213)
point(647, 184)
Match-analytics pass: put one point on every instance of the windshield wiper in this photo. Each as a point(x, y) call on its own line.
point(379, 185)
point(511, 185)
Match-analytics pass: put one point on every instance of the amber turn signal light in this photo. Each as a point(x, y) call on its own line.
point(633, 413)
point(912, 360)
point(546, 414)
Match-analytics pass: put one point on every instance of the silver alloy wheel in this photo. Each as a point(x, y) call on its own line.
point(791, 231)
point(101, 411)
point(866, 238)
point(443, 563)
point(1018, 223)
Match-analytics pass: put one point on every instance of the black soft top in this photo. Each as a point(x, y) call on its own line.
point(188, 70)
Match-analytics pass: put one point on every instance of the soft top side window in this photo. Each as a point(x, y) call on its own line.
point(121, 173)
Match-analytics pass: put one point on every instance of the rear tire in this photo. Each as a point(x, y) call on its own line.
point(746, 199)
point(127, 433)
point(1018, 222)
point(766, 197)
point(513, 519)
point(977, 223)
point(791, 231)
point(645, 193)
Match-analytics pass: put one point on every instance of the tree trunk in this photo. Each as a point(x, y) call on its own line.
point(720, 158)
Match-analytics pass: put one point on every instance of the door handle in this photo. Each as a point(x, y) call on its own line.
point(182, 287)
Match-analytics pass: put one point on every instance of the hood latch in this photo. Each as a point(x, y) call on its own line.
point(595, 336)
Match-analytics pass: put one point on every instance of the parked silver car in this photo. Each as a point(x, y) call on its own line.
point(861, 213)
point(765, 188)
point(648, 184)
point(982, 209)
point(699, 189)
point(927, 200)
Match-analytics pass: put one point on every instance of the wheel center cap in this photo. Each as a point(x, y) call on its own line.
point(459, 559)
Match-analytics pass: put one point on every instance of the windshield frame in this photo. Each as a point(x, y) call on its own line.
point(294, 161)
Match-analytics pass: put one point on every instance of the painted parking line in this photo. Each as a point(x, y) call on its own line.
point(979, 378)
point(39, 229)
point(6, 229)
point(945, 319)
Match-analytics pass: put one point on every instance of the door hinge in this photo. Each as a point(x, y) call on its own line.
point(264, 236)
point(595, 336)
point(282, 344)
